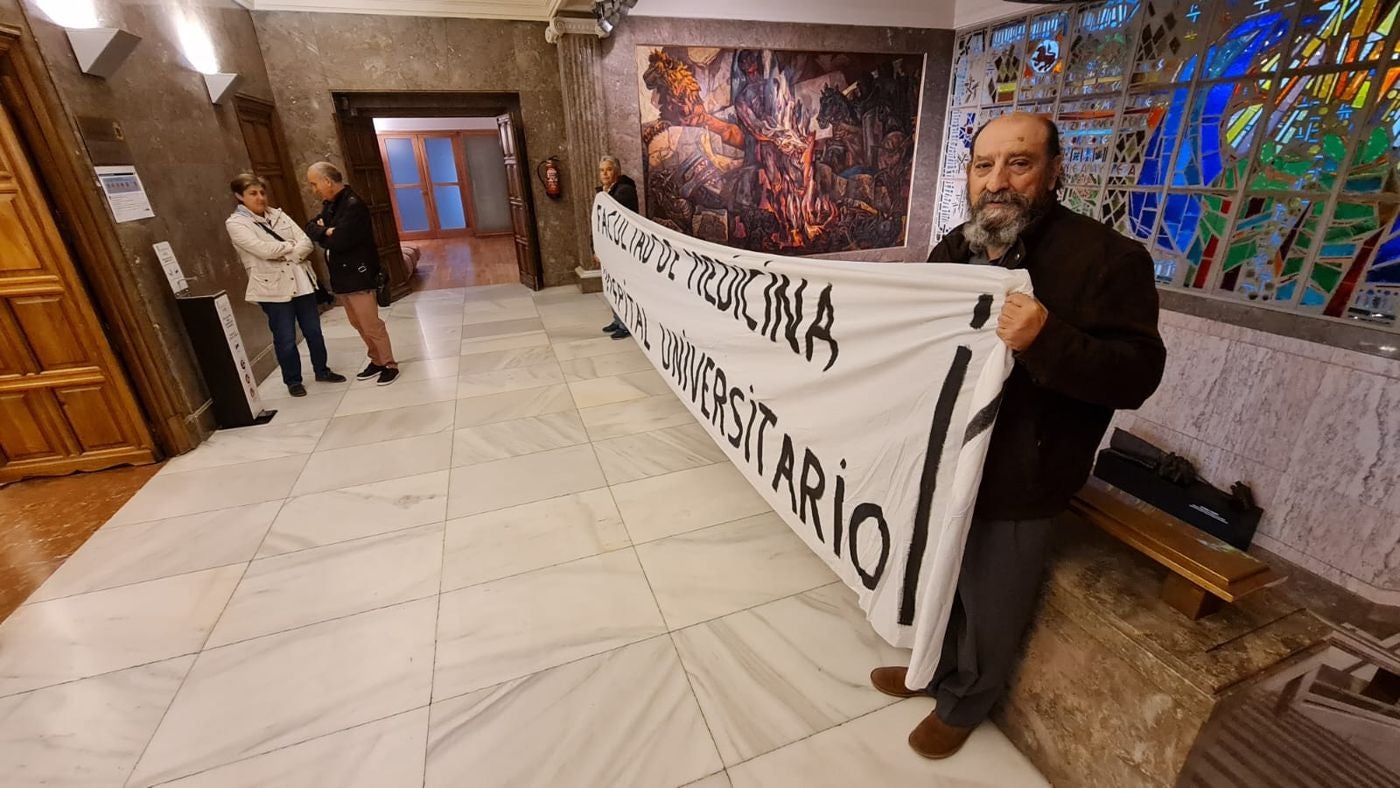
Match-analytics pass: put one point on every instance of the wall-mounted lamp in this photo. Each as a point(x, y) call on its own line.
point(101, 50)
point(221, 86)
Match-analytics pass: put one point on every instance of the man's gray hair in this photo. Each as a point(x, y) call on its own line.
point(617, 165)
point(328, 171)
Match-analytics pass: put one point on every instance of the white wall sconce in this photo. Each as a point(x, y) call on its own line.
point(101, 50)
point(221, 86)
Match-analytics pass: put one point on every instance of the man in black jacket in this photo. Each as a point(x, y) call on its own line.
point(345, 230)
point(1084, 345)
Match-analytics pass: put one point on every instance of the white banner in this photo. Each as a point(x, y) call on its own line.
point(858, 398)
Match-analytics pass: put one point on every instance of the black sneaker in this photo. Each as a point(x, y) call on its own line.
point(330, 377)
point(296, 390)
point(621, 334)
point(611, 327)
point(388, 375)
point(369, 372)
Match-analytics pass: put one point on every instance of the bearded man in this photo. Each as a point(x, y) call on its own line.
point(1084, 345)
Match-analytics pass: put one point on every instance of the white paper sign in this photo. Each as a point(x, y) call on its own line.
point(171, 266)
point(240, 356)
point(857, 398)
point(125, 194)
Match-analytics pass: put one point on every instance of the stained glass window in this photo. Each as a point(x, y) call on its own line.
point(1044, 62)
point(1168, 39)
point(1252, 145)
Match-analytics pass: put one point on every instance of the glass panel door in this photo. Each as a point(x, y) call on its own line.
point(446, 179)
point(406, 182)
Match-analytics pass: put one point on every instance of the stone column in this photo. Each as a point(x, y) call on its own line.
point(580, 74)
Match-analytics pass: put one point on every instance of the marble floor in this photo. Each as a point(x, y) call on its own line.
point(522, 564)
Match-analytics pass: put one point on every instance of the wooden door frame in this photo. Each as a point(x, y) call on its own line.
point(442, 104)
point(62, 168)
point(296, 208)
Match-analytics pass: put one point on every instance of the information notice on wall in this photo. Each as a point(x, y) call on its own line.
point(173, 273)
point(125, 194)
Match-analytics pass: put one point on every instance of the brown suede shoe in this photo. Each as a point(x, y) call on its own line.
point(933, 738)
point(891, 682)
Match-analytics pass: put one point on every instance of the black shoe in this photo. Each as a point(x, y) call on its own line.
point(388, 375)
point(330, 377)
point(296, 390)
point(611, 327)
point(622, 334)
point(369, 372)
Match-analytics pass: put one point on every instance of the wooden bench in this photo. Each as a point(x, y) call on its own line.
point(1203, 571)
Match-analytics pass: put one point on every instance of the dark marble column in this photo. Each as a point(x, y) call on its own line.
point(580, 75)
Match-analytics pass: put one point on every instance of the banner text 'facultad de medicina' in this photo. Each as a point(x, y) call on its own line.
point(857, 398)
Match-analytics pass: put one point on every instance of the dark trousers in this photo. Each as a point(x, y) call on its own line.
point(283, 319)
point(1001, 570)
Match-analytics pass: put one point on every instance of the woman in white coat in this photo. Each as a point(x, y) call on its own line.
point(274, 249)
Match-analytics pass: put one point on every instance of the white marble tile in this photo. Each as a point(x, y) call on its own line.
point(474, 411)
point(250, 444)
point(716, 780)
point(629, 360)
point(872, 750)
point(818, 642)
point(272, 386)
point(505, 359)
point(630, 418)
point(89, 732)
point(205, 490)
point(491, 344)
point(504, 291)
point(505, 542)
point(419, 370)
point(595, 313)
point(513, 627)
point(1347, 440)
point(292, 590)
point(336, 468)
point(619, 388)
point(502, 439)
point(261, 695)
point(574, 332)
point(589, 348)
point(498, 328)
point(86, 635)
point(383, 425)
point(715, 571)
point(633, 457)
point(532, 477)
point(531, 731)
point(148, 551)
point(478, 384)
point(496, 311)
point(355, 512)
point(686, 500)
point(563, 294)
point(399, 395)
point(308, 408)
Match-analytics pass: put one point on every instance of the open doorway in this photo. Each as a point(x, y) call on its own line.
point(447, 183)
point(416, 209)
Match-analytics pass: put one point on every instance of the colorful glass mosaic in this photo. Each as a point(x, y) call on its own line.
point(968, 67)
point(1044, 61)
point(1252, 145)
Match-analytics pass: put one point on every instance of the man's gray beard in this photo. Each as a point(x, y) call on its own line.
point(982, 234)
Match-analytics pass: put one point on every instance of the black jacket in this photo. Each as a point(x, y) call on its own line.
point(625, 192)
point(352, 255)
point(1099, 351)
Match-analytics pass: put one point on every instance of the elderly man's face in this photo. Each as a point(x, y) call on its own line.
point(320, 185)
point(1010, 177)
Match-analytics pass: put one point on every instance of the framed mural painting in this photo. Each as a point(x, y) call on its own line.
point(780, 152)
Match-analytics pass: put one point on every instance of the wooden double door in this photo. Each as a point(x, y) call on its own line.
point(65, 404)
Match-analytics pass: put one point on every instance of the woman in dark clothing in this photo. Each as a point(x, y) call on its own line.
point(624, 190)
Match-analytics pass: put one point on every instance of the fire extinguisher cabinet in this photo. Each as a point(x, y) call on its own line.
point(219, 347)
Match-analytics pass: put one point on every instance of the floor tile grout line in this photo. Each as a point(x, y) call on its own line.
point(195, 662)
point(437, 614)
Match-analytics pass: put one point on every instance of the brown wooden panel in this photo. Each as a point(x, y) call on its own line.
point(527, 257)
point(15, 358)
point(16, 251)
point(365, 171)
point(86, 409)
point(29, 429)
point(48, 329)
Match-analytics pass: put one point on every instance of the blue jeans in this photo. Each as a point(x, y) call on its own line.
point(283, 320)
